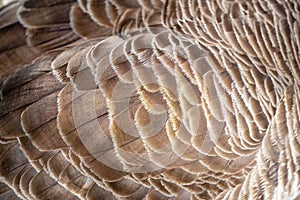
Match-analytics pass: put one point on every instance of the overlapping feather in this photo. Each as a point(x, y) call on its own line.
point(111, 99)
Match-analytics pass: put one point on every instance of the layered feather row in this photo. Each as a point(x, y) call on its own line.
point(149, 99)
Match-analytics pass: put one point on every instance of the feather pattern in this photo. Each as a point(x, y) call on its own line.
point(149, 99)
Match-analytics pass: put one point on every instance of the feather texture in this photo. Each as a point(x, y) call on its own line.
point(149, 99)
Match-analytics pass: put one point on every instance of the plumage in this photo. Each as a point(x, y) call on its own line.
point(149, 99)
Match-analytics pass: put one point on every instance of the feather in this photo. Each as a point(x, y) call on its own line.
point(149, 99)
